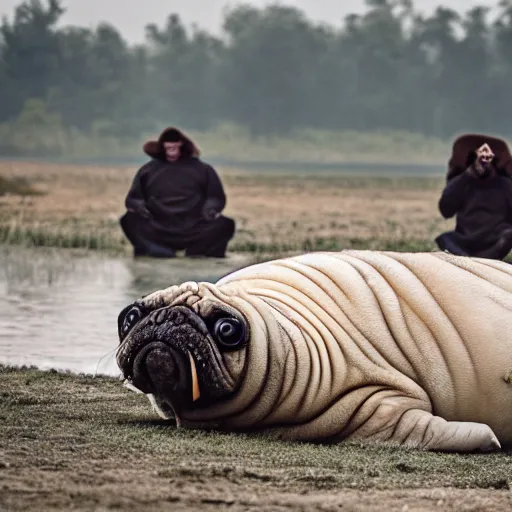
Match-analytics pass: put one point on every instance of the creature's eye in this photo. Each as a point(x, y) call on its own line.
point(229, 333)
point(132, 316)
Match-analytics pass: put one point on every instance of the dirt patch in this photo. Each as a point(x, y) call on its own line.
point(16, 187)
point(84, 443)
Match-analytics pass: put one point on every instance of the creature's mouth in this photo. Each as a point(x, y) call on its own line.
point(160, 369)
point(171, 355)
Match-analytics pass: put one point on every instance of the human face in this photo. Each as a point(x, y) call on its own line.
point(485, 155)
point(172, 150)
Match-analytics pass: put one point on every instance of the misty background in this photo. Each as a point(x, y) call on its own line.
point(131, 16)
point(72, 72)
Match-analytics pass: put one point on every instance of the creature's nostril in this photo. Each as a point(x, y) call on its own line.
point(176, 317)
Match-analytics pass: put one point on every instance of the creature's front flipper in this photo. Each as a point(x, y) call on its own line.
point(399, 420)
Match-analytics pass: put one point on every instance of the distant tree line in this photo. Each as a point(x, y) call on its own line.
point(271, 70)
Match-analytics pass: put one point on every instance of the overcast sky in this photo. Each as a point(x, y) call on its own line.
point(131, 16)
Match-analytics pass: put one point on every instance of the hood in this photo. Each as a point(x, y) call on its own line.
point(155, 148)
point(463, 154)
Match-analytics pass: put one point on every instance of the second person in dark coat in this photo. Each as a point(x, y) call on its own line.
point(479, 193)
point(175, 202)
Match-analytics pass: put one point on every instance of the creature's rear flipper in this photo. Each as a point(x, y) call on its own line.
point(393, 421)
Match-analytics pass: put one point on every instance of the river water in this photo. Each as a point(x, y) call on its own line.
point(59, 309)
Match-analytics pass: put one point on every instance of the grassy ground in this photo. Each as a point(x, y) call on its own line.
point(83, 443)
point(78, 442)
point(16, 186)
point(275, 213)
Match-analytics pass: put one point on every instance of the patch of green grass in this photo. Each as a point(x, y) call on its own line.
point(98, 418)
point(77, 439)
point(332, 243)
point(399, 245)
point(48, 237)
point(63, 236)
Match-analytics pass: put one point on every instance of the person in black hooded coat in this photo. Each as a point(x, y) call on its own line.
point(479, 193)
point(175, 202)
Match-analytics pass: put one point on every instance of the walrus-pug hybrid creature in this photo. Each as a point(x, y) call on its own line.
point(414, 349)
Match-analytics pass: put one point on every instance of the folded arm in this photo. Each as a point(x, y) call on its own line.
point(215, 197)
point(136, 199)
point(455, 194)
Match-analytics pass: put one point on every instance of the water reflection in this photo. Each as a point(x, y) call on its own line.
point(58, 309)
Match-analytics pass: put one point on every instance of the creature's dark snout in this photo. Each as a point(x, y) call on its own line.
point(161, 369)
point(161, 350)
point(173, 352)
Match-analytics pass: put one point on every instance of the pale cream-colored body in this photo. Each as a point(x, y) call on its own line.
point(412, 348)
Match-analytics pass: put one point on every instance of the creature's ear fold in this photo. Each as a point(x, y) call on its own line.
point(121, 317)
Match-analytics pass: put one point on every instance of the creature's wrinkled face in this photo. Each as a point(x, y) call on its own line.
point(485, 155)
point(185, 357)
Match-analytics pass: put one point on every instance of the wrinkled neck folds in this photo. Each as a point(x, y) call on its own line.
point(311, 342)
point(297, 362)
point(318, 328)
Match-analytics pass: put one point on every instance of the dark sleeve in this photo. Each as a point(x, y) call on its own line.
point(508, 184)
point(454, 195)
point(136, 198)
point(215, 198)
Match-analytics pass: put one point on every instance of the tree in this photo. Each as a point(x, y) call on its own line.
point(271, 67)
point(272, 70)
point(30, 51)
point(185, 68)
